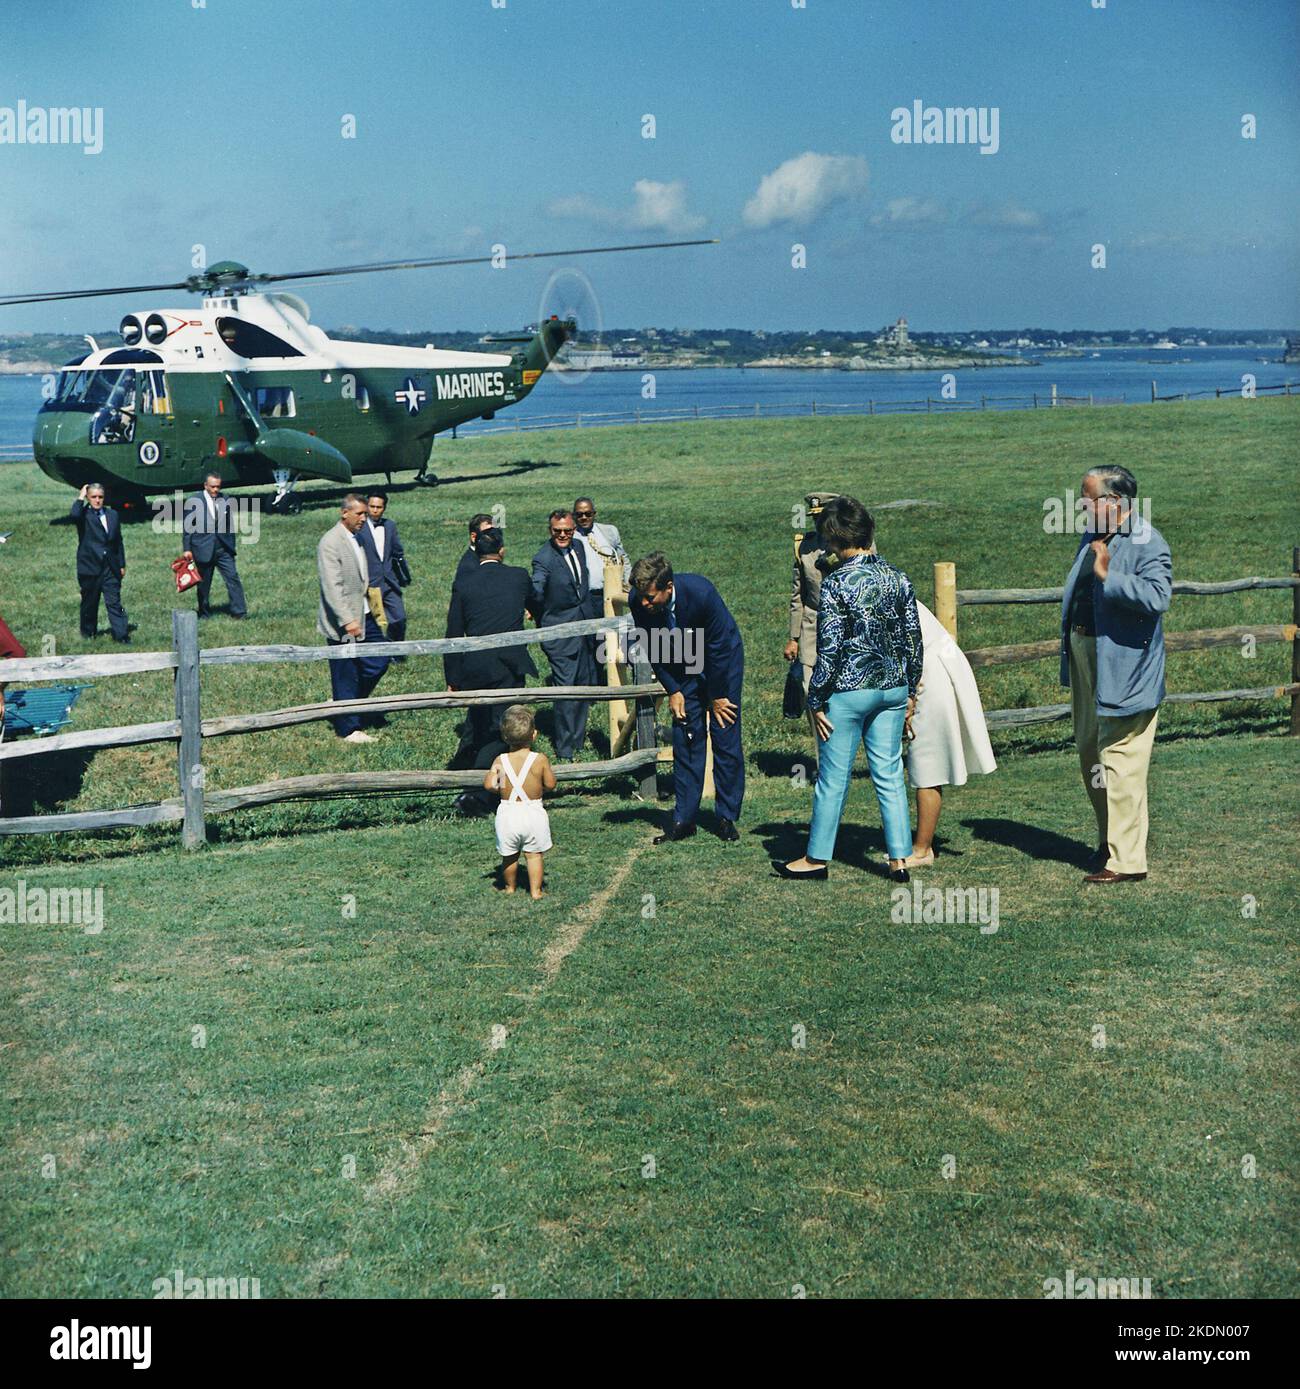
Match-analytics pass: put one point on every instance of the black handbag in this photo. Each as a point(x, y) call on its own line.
point(402, 570)
point(792, 700)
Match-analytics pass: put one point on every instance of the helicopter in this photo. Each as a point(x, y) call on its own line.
point(249, 387)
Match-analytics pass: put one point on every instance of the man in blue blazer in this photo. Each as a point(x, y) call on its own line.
point(561, 593)
point(1113, 660)
point(101, 562)
point(695, 649)
point(208, 521)
point(384, 553)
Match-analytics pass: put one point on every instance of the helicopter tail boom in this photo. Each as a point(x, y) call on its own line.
point(542, 347)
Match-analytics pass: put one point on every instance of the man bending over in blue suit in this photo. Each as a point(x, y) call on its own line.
point(694, 647)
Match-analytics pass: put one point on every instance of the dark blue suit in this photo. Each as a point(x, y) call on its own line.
point(560, 597)
point(698, 609)
point(101, 560)
point(383, 574)
point(211, 539)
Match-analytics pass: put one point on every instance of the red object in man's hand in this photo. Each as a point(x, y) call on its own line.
point(187, 574)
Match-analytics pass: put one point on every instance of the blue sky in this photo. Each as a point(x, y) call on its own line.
point(523, 125)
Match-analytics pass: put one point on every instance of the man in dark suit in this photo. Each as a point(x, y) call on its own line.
point(561, 594)
point(469, 560)
point(101, 561)
point(490, 599)
point(385, 556)
point(209, 525)
point(695, 649)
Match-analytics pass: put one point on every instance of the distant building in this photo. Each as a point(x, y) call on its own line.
point(894, 338)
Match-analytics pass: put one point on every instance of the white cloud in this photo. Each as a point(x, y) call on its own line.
point(910, 211)
point(659, 207)
point(803, 187)
point(1009, 215)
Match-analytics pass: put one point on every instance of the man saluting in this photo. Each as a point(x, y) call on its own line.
point(695, 649)
point(101, 561)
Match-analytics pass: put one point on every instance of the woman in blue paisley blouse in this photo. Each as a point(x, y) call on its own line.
point(869, 655)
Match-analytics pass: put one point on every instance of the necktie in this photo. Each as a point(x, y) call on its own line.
point(103, 521)
point(573, 564)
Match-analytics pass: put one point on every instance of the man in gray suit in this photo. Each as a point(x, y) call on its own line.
point(1113, 660)
point(344, 616)
point(208, 521)
point(604, 546)
point(562, 593)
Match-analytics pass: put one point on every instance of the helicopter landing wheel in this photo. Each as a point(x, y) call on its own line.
point(427, 479)
point(284, 503)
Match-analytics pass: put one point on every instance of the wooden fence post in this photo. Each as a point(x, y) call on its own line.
point(646, 736)
point(945, 596)
point(1295, 644)
point(189, 757)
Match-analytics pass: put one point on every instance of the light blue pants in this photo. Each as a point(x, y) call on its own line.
point(876, 717)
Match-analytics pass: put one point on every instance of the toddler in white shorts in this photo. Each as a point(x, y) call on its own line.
point(521, 775)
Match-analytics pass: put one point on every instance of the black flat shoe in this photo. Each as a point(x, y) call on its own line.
point(727, 831)
point(674, 832)
point(817, 875)
point(899, 875)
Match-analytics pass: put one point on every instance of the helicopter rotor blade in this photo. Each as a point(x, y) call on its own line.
point(196, 283)
point(7, 299)
point(437, 262)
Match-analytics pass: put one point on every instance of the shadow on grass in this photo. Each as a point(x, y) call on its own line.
point(859, 847)
point(40, 785)
point(320, 499)
point(1030, 840)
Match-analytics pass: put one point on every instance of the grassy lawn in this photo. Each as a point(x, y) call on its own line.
point(405, 1084)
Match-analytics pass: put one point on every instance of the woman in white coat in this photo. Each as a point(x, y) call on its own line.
point(949, 736)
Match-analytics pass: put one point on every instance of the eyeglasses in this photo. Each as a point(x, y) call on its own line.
point(584, 515)
point(561, 530)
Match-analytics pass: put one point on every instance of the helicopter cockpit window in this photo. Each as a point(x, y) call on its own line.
point(275, 402)
point(114, 421)
point(363, 398)
point(248, 340)
point(93, 390)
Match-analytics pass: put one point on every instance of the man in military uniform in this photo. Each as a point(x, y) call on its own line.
point(810, 557)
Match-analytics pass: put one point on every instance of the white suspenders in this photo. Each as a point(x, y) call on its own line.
point(517, 780)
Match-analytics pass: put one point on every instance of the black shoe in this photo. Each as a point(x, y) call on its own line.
point(238, 617)
point(814, 875)
point(727, 831)
point(205, 612)
point(89, 636)
point(674, 832)
point(899, 875)
point(122, 641)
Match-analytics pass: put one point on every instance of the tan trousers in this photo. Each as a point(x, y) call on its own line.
point(808, 713)
point(1114, 755)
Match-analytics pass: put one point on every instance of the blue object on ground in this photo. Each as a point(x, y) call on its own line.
point(40, 711)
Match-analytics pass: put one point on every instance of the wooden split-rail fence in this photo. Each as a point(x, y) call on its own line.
point(948, 598)
point(633, 732)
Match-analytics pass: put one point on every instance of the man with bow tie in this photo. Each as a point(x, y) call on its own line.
point(101, 561)
point(562, 593)
point(210, 539)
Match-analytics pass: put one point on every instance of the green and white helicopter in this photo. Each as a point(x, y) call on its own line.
point(248, 386)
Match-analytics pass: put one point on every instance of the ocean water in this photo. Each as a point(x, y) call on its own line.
point(560, 400)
